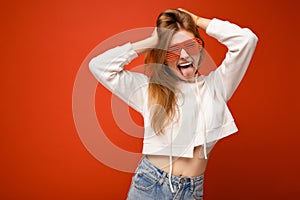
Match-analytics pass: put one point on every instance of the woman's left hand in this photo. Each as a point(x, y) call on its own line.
point(194, 17)
point(199, 21)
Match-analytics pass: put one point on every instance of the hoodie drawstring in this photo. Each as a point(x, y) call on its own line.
point(203, 119)
point(171, 163)
point(170, 176)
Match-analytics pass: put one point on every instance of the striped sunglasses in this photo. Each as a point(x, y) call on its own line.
point(191, 46)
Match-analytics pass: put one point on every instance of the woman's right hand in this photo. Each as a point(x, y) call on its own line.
point(146, 44)
point(154, 38)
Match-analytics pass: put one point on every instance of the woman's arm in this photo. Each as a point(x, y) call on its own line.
point(241, 43)
point(108, 70)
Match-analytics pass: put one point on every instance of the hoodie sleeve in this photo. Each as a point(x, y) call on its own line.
point(108, 69)
point(241, 43)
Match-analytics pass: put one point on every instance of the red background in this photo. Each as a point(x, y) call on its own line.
point(43, 44)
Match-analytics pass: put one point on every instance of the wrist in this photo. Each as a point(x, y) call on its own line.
point(144, 45)
point(196, 21)
point(202, 22)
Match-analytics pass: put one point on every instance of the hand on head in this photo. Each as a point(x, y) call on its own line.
point(194, 17)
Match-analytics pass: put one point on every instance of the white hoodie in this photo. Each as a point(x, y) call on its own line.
point(204, 115)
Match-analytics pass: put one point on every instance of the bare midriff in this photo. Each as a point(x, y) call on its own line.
point(185, 167)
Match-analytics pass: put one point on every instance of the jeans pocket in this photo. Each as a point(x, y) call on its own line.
point(144, 180)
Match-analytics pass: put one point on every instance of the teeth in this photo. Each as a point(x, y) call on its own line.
point(185, 64)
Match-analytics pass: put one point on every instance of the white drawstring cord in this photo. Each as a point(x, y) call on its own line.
point(170, 175)
point(204, 137)
point(203, 119)
point(171, 162)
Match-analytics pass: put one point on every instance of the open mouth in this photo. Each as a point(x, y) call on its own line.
point(185, 65)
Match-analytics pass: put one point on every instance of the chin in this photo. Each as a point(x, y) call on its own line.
point(190, 79)
point(184, 78)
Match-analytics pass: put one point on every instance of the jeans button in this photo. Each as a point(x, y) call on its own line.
point(182, 181)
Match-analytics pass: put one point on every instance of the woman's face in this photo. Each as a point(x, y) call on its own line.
point(183, 55)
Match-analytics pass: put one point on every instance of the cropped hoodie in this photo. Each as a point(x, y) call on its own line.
point(204, 117)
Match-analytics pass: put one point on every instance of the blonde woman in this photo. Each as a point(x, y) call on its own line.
point(185, 113)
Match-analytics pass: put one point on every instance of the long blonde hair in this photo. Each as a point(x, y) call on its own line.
point(162, 89)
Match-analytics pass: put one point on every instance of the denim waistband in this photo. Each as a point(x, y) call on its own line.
point(175, 179)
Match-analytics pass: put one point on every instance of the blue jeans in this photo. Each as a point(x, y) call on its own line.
point(150, 182)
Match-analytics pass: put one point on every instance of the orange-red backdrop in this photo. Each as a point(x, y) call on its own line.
point(43, 44)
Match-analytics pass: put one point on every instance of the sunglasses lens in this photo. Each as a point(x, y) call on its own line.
point(193, 46)
point(171, 56)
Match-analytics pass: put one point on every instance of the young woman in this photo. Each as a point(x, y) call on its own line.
point(184, 114)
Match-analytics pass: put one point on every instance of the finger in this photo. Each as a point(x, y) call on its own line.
point(183, 10)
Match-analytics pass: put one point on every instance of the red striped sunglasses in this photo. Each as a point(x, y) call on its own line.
point(191, 46)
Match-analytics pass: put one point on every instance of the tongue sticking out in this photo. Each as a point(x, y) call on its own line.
point(187, 69)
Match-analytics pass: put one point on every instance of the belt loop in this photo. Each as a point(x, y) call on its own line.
point(192, 185)
point(161, 180)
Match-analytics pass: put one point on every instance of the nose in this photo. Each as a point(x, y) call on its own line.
point(184, 54)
